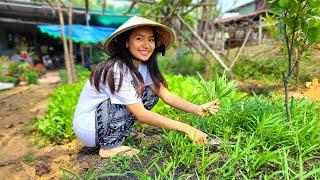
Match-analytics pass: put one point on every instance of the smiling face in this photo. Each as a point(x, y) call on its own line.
point(141, 43)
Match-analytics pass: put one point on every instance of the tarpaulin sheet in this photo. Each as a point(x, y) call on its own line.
point(80, 33)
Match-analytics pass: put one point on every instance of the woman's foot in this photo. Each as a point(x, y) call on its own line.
point(121, 150)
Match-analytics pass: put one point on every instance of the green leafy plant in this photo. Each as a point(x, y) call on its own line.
point(9, 79)
point(29, 158)
point(16, 69)
point(81, 73)
point(265, 145)
point(218, 89)
point(98, 55)
point(31, 77)
point(267, 69)
point(57, 124)
point(184, 64)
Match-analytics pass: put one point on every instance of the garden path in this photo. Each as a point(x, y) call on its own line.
point(20, 158)
point(18, 108)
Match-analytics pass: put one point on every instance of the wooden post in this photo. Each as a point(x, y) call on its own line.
point(74, 78)
point(82, 56)
point(222, 37)
point(103, 6)
point(260, 29)
point(87, 23)
point(87, 12)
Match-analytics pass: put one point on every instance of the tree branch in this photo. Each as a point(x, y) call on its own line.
point(242, 46)
point(212, 52)
point(130, 8)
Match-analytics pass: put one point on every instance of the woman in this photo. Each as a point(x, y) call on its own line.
point(126, 86)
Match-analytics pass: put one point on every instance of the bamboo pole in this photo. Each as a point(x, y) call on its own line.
point(73, 73)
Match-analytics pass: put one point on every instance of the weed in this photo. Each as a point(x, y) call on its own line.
point(29, 158)
point(31, 77)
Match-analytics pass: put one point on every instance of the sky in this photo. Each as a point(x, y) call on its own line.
point(227, 4)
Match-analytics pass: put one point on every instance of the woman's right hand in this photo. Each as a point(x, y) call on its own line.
point(196, 135)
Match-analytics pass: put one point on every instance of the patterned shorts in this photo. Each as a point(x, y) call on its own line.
point(114, 121)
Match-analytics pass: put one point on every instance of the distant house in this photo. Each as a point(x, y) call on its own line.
point(236, 22)
point(248, 7)
point(19, 20)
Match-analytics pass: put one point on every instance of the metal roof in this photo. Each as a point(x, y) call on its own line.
point(240, 4)
point(241, 17)
point(33, 12)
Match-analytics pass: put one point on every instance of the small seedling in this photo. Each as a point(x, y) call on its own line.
point(29, 158)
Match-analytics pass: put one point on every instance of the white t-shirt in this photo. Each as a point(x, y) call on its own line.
point(90, 98)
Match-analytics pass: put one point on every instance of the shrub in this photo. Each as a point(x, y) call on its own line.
point(31, 77)
point(9, 79)
point(81, 74)
point(260, 68)
point(17, 69)
point(57, 124)
point(184, 64)
point(98, 55)
point(63, 76)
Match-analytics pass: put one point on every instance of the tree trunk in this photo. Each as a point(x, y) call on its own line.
point(286, 98)
point(65, 45)
point(299, 55)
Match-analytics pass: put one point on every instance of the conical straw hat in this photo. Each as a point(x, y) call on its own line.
point(165, 34)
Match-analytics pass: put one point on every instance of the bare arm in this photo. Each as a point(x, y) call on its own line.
point(158, 120)
point(179, 103)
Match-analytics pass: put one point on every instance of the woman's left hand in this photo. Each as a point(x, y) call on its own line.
point(210, 107)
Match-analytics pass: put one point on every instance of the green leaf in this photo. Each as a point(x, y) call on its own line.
point(293, 7)
point(273, 3)
point(288, 21)
point(284, 3)
point(312, 35)
point(185, 2)
point(90, 174)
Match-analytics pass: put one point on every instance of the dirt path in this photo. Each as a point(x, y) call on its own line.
point(17, 110)
point(19, 157)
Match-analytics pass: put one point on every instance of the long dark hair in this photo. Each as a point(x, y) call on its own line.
point(103, 72)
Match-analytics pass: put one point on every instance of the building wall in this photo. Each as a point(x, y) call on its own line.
point(250, 8)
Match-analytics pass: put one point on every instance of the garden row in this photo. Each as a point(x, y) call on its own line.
point(257, 139)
